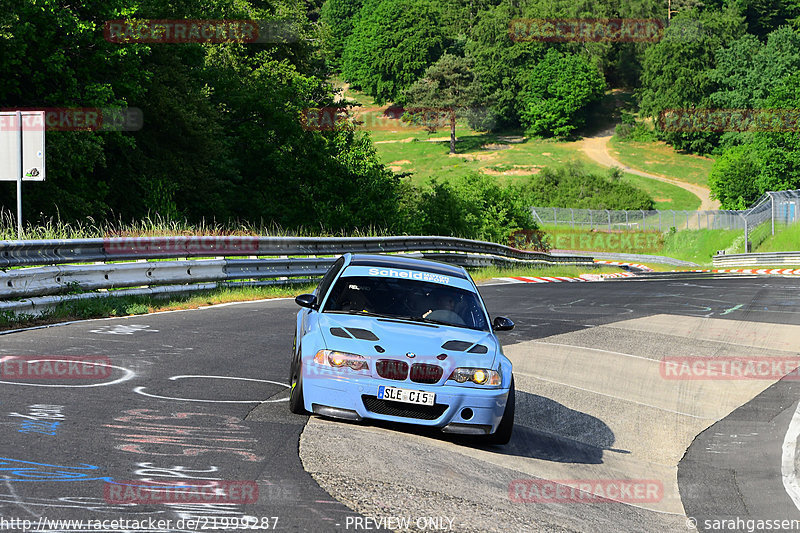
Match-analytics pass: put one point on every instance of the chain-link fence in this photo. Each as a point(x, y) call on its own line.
point(638, 220)
point(777, 208)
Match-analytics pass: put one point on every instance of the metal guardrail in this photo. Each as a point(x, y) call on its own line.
point(50, 252)
point(236, 258)
point(757, 259)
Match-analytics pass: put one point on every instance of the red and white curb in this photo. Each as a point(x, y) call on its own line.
point(639, 266)
point(559, 279)
point(772, 271)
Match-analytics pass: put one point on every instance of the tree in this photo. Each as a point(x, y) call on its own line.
point(448, 87)
point(676, 73)
point(501, 63)
point(391, 46)
point(557, 92)
point(338, 17)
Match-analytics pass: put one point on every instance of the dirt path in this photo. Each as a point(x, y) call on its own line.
point(596, 148)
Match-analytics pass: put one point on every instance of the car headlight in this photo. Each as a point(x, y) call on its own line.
point(479, 376)
point(336, 359)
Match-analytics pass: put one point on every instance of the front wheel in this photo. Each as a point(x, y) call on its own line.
point(296, 401)
point(506, 426)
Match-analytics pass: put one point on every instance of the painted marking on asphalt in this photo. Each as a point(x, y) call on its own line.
point(129, 374)
point(140, 390)
point(732, 309)
point(788, 472)
point(122, 329)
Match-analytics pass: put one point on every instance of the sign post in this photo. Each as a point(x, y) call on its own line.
point(21, 151)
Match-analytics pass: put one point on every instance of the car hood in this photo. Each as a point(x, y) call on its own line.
point(366, 336)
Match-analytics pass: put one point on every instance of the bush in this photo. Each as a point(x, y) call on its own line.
point(473, 207)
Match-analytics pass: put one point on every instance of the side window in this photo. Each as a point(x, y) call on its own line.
point(325, 284)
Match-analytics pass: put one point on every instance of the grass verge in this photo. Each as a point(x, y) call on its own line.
point(570, 271)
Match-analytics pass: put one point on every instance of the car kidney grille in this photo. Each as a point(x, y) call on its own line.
point(423, 373)
point(392, 369)
point(387, 407)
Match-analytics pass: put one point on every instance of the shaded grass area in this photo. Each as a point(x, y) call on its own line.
point(660, 158)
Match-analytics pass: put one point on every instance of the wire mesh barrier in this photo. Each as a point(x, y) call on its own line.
point(779, 208)
point(638, 220)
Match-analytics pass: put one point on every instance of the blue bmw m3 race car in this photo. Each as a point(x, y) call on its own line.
point(404, 340)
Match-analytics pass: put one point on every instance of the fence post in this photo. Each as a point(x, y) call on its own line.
point(674, 221)
point(746, 235)
point(590, 219)
point(572, 215)
point(708, 224)
point(659, 220)
point(608, 212)
point(772, 210)
point(627, 226)
point(555, 217)
point(687, 218)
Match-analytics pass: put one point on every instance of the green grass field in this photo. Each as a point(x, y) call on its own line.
point(786, 238)
point(660, 158)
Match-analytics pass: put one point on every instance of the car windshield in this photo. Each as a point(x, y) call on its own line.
point(408, 300)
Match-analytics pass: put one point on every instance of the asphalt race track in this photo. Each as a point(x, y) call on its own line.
point(199, 397)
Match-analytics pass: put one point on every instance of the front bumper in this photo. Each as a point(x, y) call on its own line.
point(457, 409)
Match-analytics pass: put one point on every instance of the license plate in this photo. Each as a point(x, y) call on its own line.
point(406, 396)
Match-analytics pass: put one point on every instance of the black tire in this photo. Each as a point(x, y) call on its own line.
point(296, 401)
point(506, 426)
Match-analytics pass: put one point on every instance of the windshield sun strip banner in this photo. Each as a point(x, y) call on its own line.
point(404, 273)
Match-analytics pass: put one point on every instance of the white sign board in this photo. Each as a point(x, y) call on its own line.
point(32, 146)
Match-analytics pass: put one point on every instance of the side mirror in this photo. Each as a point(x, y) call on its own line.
point(502, 323)
point(306, 300)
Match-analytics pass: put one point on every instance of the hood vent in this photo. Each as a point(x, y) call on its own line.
point(339, 332)
point(362, 334)
point(358, 333)
point(456, 346)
